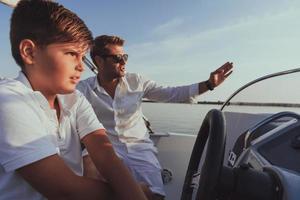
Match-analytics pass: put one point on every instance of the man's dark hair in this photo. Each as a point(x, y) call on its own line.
point(100, 43)
point(45, 22)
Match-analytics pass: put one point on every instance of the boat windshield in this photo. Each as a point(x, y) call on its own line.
point(276, 94)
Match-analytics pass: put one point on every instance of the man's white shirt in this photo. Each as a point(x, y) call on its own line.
point(122, 115)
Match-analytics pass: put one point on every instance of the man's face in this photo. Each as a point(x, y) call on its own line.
point(111, 66)
point(58, 67)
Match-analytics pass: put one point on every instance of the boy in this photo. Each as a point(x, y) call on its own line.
point(43, 119)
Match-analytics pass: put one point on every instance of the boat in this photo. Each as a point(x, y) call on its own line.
point(238, 153)
point(11, 3)
point(247, 155)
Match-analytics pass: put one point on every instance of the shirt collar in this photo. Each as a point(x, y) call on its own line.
point(66, 102)
point(38, 95)
point(23, 79)
point(97, 86)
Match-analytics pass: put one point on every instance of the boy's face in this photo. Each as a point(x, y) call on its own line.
point(57, 67)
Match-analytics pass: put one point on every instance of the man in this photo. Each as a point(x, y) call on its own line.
point(116, 97)
point(43, 118)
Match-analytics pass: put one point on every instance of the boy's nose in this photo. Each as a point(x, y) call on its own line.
point(80, 66)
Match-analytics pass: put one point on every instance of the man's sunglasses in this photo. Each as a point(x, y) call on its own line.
point(117, 58)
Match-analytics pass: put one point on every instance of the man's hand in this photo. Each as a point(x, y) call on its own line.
point(220, 74)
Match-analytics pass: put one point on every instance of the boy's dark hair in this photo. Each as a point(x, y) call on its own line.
point(45, 22)
point(100, 43)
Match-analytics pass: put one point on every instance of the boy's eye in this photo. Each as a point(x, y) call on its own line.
point(71, 53)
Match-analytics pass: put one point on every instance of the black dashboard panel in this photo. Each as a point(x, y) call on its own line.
point(282, 150)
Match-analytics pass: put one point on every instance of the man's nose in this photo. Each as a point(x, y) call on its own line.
point(123, 61)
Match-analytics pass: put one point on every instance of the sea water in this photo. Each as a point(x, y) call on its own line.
point(176, 117)
point(187, 118)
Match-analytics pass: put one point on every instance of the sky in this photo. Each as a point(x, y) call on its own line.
point(177, 42)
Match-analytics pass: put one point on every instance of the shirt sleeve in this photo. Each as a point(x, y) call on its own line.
point(156, 92)
point(23, 138)
point(86, 119)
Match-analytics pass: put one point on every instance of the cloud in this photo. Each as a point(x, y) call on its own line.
point(247, 34)
point(168, 27)
point(258, 45)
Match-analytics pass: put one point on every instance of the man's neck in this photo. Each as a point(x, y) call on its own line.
point(109, 85)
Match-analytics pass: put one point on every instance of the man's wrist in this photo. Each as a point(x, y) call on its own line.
point(209, 85)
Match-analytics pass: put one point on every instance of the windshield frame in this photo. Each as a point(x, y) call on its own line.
point(281, 73)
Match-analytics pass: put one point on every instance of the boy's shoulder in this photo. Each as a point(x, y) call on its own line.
point(6, 81)
point(14, 96)
point(11, 86)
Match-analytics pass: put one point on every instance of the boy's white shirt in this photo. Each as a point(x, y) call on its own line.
point(30, 131)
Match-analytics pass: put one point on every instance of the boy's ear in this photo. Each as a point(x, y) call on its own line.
point(27, 49)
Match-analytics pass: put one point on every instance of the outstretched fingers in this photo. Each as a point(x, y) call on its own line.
point(225, 67)
point(227, 74)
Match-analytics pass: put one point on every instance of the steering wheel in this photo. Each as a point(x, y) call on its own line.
point(213, 132)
